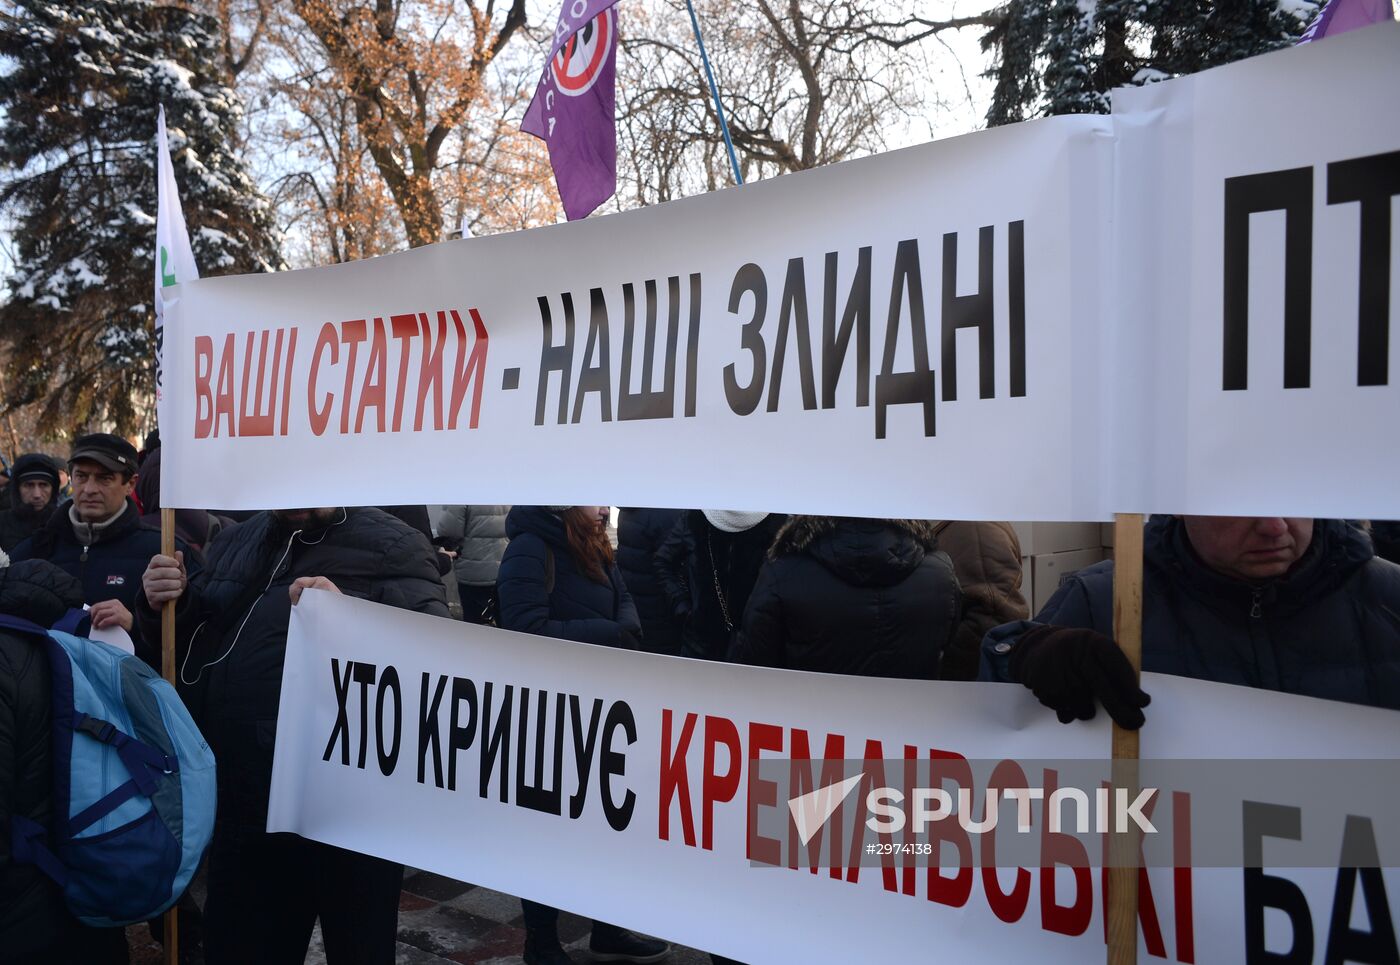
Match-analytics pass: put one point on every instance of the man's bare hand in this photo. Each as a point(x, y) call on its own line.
point(164, 580)
point(110, 613)
point(303, 583)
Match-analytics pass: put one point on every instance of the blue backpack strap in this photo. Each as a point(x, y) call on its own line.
point(27, 847)
point(139, 759)
point(22, 625)
point(71, 621)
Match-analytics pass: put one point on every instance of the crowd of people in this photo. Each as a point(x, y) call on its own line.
point(1301, 606)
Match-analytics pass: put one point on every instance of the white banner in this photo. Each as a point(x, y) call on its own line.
point(487, 756)
point(1054, 320)
point(785, 345)
point(1262, 268)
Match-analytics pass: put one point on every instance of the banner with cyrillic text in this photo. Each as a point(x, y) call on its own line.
point(1183, 307)
point(1259, 267)
point(828, 818)
point(860, 329)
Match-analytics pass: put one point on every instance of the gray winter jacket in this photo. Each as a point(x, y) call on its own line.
point(478, 535)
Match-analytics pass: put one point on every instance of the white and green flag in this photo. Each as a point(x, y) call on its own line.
point(174, 257)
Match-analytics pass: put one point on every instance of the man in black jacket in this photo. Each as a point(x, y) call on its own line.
point(98, 537)
point(267, 890)
point(33, 495)
point(1296, 605)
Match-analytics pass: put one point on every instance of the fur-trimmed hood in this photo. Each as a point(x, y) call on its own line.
point(862, 552)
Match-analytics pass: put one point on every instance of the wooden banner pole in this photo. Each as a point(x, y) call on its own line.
point(1123, 848)
point(167, 670)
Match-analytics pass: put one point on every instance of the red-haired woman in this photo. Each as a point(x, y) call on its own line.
point(558, 578)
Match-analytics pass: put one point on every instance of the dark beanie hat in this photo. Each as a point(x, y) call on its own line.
point(34, 465)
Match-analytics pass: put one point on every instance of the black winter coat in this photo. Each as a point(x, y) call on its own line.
point(576, 607)
point(111, 568)
point(232, 628)
point(34, 922)
point(640, 533)
point(1330, 628)
point(687, 572)
point(871, 597)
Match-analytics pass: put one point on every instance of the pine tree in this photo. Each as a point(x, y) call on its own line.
point(80, 89)
point(1066, 56)
point(1069, 79)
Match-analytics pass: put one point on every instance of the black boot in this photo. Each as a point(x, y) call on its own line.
point(542, 948)
point(612, 944)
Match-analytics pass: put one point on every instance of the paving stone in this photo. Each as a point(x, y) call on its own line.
point(425, 884)
point(143, 950)
point(405, 954)
point(489, 904)
point(464, 923)
point(412, 902)
point(503, 945)
point(428, 941)
point(316, 953)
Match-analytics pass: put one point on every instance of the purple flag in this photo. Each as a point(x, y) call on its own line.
point(574, 110)
point(1339, 16)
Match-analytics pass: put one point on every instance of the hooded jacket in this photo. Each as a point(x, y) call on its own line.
point(34, 921)
point(1329, 628)
point(872, 597)
point(477, 534)
point(569, 605)
point(231, 628)
point(20, 520)
point(987, 562)
point(640, 533)
point(698, 563)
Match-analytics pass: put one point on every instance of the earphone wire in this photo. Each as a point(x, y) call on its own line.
point(199, 674)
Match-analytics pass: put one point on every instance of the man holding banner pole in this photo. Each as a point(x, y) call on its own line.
point(266, 891)
point(1302, 606)
point(1298, 605)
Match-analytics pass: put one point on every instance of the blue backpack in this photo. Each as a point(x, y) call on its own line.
point(133, 785)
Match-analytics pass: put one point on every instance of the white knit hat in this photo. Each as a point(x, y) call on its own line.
point(732, 520)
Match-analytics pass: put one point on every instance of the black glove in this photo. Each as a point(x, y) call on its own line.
point(1067, 667)
point(629, 640)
